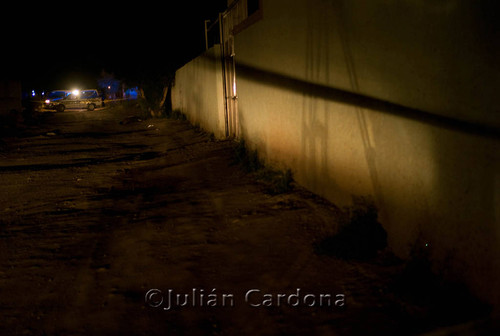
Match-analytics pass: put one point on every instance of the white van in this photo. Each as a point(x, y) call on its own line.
point(88, 99)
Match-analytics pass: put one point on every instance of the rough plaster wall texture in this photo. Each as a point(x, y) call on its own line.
point(431, 180)
point(430, 183)
point(312, 136)
point(439, 57)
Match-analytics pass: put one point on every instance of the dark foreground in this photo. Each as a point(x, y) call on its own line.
point(102, 224)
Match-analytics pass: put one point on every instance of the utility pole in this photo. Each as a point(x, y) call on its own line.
point(206, 34)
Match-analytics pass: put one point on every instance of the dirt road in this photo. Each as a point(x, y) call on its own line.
point(103, 224)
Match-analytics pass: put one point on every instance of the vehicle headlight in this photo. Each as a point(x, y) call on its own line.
point(47, 101)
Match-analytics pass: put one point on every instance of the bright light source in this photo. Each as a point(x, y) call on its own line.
point(33, 93)
point(47, 101)
point(76, 92)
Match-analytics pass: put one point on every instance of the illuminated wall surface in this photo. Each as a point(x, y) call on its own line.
point(396, 100)
point(198, 92)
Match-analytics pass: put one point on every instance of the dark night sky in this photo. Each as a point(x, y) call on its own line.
point(54, 45)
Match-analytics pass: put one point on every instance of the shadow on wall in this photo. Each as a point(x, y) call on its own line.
point(465, 206)
point(431, 176)
point(368, 147)
point(315, 113)
point(349, 98)
point(316, 108)
point(457, 206)
point(462, 201)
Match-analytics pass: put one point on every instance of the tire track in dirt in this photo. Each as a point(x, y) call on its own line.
point(94, 217)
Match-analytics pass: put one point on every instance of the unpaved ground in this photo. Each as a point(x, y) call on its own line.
point(94, 214)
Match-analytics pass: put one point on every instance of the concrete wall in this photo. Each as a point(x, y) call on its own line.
point(437, 56)
point(389, 99)
point(432, 176)
point(198, 92)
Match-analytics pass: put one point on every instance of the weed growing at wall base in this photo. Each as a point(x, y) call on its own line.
point(175, 114)
point(360, 235)
point(275, 181)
